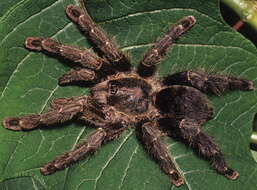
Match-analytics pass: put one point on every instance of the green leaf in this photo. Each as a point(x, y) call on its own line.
point(245, 9)
point(29, 82)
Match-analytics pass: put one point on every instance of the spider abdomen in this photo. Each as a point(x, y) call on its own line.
point(184, 102)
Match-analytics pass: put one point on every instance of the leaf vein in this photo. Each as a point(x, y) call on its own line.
point(28, 19)
point(111, 158)
point(22, 61)
point(128, 166)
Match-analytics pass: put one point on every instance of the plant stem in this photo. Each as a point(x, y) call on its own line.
point(254, 138)
point(246, 10)
point(238, 25)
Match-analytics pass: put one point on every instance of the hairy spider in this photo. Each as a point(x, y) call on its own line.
point(122, 96)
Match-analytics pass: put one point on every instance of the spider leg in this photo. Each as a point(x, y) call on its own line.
point(191, 132)
point(82, 56)
point(157, 52)
point(151, 138)
point(187, 109)
point(215, 84)
point(59, 115)
point(108, 47)
point(83, 149)
point(92, 113)
point(77, 75)
point(58, 103)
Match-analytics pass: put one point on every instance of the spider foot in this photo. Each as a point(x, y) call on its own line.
point(12, 123)
point(231, 174)
point(34, 43)
point(48, 169)
point(39, 44)
point(176, 179)
point(24, 123)
point(59, 163)
point(74, 12)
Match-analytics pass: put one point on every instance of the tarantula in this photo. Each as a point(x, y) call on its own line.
point(122, 96)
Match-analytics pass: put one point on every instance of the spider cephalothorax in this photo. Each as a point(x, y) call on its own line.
point(122, 96)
